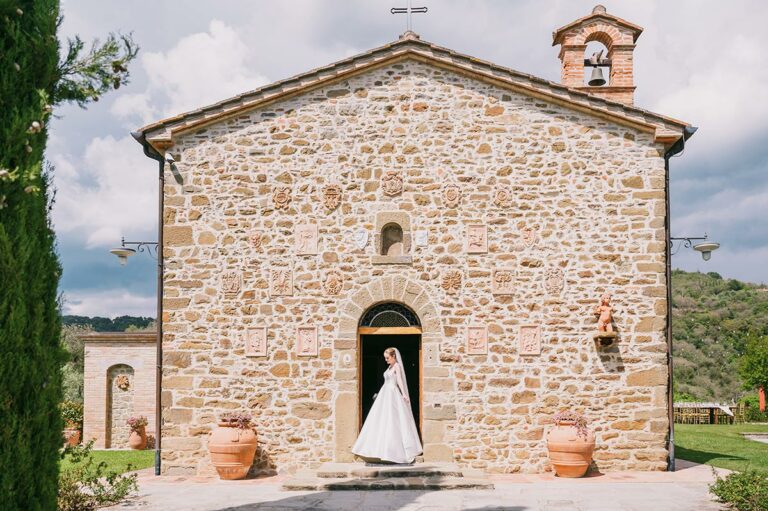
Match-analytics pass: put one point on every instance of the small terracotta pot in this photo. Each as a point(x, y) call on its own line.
point(232, 450)
point(138, 439)
point(569, 453)
point(71, 436)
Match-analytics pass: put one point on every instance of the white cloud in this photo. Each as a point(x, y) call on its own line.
point(200, 69)
point(108, 193)
point(110, 303)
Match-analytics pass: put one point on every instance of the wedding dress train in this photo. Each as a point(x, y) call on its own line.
point(389, 432)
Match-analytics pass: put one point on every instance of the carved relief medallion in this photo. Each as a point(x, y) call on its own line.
point(501, 197)
point(306, 341)
point(528, 237)
point(361, 238)
point(477, 340)
point(451, 282)
point(281, 197)
point(332, 196)
point(122, 382)
point(256, 240)
point(553, 281)
point(451, 196)
point(256, 342)
point(281, 282)
point(477, 239)
point(392, 183)
point(421, 238)
point(334, 283)
point(502, 281)
point(305, 239)
point(529, 338)
point(230, 282)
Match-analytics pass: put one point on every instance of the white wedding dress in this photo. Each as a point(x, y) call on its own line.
point(389, 432)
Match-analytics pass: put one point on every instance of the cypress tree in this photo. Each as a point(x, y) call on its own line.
point(32, 81)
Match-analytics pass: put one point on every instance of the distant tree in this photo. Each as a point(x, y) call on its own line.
point(753, 366)
point(33, 80)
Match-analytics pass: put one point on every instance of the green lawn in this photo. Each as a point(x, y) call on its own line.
point(722, 446)
point(119, 460)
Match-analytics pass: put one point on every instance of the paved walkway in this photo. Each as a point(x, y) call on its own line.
point(683, 490)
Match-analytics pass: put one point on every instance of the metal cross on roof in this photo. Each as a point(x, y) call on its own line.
point(408, 11)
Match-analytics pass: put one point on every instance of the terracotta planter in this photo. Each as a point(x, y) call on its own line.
point(71, 436)
point(569, 453)
point(232, 450)
point(138, 439)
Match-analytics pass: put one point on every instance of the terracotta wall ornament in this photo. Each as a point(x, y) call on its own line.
point(305, 239)
point(451, 196)
point(256, 342)
point(122, 382)
point(554, 281)
point(281, 282)
point(306, 341)
point(529, 339)
point(604, 313)
point(502, 197)
point(392, 183)
point(281, 197)
point(334, 282)
point(231, 282)
point(257, 239)
point(451, 282)
point(331, 196)
point(477, 239)
point(529, 237)
point(477, 340)
point(502, 281)
point(360, 238)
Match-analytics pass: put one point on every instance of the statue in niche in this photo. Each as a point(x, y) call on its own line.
point(604, 312)
point(392, 240)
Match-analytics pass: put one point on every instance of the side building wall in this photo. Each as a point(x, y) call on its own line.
point(106, 405)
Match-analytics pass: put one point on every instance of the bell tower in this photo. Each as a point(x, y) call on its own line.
point(618, 36)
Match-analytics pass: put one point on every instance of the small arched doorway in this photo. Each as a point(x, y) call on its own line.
point(120, 405)
point(388, 324)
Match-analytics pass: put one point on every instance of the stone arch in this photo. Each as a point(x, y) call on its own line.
point(119, 404)
point(394, 288)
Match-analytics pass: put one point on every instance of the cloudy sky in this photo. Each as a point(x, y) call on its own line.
point(700, 61)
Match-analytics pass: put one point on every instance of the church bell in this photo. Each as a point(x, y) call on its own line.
point(597, 79)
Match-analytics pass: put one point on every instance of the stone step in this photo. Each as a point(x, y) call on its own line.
point(394, 483)
point(361, 471)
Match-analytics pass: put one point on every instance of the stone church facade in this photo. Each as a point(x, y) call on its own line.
point(413, 196)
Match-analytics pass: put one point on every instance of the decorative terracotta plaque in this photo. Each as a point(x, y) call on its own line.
point(230, 282)
point(477, 340)
point(421, 238)
point(334, 282)
point(451, 196)
point(332, 196)
point(361, 238)
point(529, 338)
point(305, 239)
point(122, 382)
point(306, 341)
point(281, 197)
point(281, 282)
point(256, 240)
point(256, 342)
point(503, 281)
point(451, 282)
point(553, 281)
point(477, 239)
point(528, 237)
point(392, 183)
point(501, 197)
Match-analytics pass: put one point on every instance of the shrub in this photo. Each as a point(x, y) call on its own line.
point(87, 486)
point(72, 413)
point(742, 491)
point(752, 411)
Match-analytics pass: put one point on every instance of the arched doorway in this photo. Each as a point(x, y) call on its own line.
point(388, 324)
point(120, 404)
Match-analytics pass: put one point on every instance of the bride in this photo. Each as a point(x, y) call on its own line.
point(389, 433)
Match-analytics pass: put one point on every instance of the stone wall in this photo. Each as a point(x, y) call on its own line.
point(520, 214)
point(106, 406)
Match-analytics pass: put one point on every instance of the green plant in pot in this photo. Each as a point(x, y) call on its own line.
point(138, 438)
point(72, 415)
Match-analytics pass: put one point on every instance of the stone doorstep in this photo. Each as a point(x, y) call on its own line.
point(355, 476)
point(394, 483)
